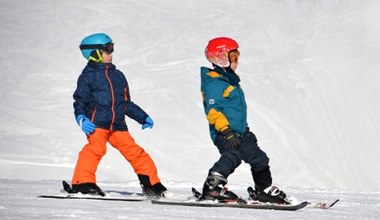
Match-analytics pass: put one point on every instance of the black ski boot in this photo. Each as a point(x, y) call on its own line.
point(87, 188)
point(270, 194)
point(154, 192)
point(212, 190)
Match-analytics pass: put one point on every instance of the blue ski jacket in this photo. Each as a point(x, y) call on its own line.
point(102, 95)
point(223, 101)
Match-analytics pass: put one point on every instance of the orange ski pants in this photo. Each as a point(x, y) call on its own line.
point(93, 152)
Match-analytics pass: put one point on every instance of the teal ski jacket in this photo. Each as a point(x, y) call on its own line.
point(223, 100)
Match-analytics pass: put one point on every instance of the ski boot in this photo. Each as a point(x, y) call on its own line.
point(154, 192)
point(213, 191)
point(87, 188)
point(271, 194)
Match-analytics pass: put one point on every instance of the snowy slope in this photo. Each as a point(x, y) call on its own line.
point(309, 70)
point(18, 201)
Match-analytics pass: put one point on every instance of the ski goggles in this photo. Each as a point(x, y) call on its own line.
point(104, 47)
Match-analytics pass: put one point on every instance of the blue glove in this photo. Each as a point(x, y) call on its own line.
point(85, 124)
point(148, 123)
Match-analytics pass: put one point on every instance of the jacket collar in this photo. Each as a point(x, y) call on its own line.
point(101, 66)
point(231, 76)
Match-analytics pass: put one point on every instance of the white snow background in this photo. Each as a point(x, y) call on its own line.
point(311, 74)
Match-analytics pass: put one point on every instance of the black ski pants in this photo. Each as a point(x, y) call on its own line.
point(250, 153)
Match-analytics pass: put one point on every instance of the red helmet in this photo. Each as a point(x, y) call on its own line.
point(218, 49)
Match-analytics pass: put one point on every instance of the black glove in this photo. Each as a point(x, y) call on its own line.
point(232, 139)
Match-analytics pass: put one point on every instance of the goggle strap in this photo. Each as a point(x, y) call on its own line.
point(94, 46)
point(91, 46)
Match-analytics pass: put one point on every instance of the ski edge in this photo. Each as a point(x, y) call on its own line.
point(140, 199)
point(226, 205)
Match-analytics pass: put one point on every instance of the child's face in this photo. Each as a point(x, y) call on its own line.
point(234, 65)
point(107, 57)
point(234, 59)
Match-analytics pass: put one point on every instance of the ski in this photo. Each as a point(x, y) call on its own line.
point(94, 197)
point(206, 203)
point(110, 195)
point(320, 205)
point(239, 203)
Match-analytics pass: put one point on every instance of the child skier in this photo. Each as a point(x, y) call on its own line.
point(226, 112)
point(101, 101)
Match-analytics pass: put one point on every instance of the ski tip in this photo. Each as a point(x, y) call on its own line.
point(323, 205)
point(332, 204)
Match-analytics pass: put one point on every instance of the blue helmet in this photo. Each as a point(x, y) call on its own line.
point(99, 41)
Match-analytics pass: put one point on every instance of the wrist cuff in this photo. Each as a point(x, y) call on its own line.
point(80, 122)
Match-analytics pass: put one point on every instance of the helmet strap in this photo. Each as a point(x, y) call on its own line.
point(96, 56)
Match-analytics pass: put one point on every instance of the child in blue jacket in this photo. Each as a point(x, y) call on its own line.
point(101, 102)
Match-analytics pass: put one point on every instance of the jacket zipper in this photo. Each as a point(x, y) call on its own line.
point(125, 99)
point(93, 114)
point(112, 98)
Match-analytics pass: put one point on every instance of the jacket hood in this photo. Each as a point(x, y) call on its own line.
point(206, 78)
point(204, 74)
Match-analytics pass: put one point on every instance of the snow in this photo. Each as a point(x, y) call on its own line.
point(309, 69)
point(19, 201)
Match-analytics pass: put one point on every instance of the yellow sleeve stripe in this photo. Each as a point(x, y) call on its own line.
point(226, 92)
point(217, 119)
